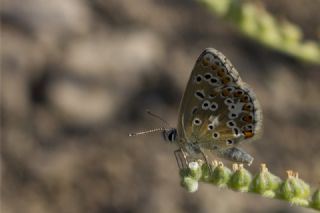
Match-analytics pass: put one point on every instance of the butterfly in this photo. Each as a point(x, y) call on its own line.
point(218, 112)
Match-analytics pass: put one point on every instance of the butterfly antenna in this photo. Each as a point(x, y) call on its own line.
point(152, 130)
point(147, 132)
point(157, 116)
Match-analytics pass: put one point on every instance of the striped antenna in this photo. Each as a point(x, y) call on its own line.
point(147, 132)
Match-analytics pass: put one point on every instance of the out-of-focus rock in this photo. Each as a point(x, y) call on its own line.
point(48, 18)
point(14, 96)
point(78, 104)
point(21, 55)
point(117, 56)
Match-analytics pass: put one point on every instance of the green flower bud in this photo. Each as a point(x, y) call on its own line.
point(207, 171)
point(294, 190)
point(291, 33)
point(218, 6)
point(265, 183)
point(195, 170)
point(220, 175)
point(315, 202)
point(248, 23)
point(309, 51)
point(268, 30)
point(240, 179)
point(189, 183)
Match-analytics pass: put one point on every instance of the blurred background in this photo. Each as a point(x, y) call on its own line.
point(77, 76)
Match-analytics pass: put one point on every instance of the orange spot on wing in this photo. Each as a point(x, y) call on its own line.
point(247, 118)
point(214, 66)
point(205, 62)
point(238, 93)
point(247, 107)
point(244, 99)
point(248, 134)
point(225, 93)
point(220, 73)
point(226, 80)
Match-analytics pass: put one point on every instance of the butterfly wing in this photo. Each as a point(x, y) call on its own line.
point(218, 109)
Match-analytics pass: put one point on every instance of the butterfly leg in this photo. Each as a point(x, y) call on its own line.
point(206, 160)
point(181, 159)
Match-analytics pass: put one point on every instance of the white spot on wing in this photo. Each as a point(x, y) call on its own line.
point(213, 106)
point(236, 132)
point(197, 121)
point(208, 58)
point(199, 94)
point(214, 121)
point(205, 105)
point(228, 101)
point(214, 81)
point(215, 135)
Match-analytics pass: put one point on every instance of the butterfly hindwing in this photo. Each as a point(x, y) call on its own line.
point(218, 109)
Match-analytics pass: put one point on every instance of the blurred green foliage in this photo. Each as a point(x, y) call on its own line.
point(254, 21)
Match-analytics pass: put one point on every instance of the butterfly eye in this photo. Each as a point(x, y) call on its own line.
point(214, 106)
point(205, 105)
point(215, 135)
point(229, 142)
point(170, 135)
point(197, 121)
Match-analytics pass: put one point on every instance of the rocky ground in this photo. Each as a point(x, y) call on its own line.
point(77, 76)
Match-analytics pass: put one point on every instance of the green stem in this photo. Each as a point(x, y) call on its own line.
point(292, 189)
point(256, 23)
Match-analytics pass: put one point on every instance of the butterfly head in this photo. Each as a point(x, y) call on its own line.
point(170, 135)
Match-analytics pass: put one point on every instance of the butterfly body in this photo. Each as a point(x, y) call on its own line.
point(218, 110)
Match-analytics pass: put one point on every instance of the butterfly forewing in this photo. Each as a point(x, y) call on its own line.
point(218, 109)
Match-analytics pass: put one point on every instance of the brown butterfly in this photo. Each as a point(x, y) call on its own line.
point(218, 111)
